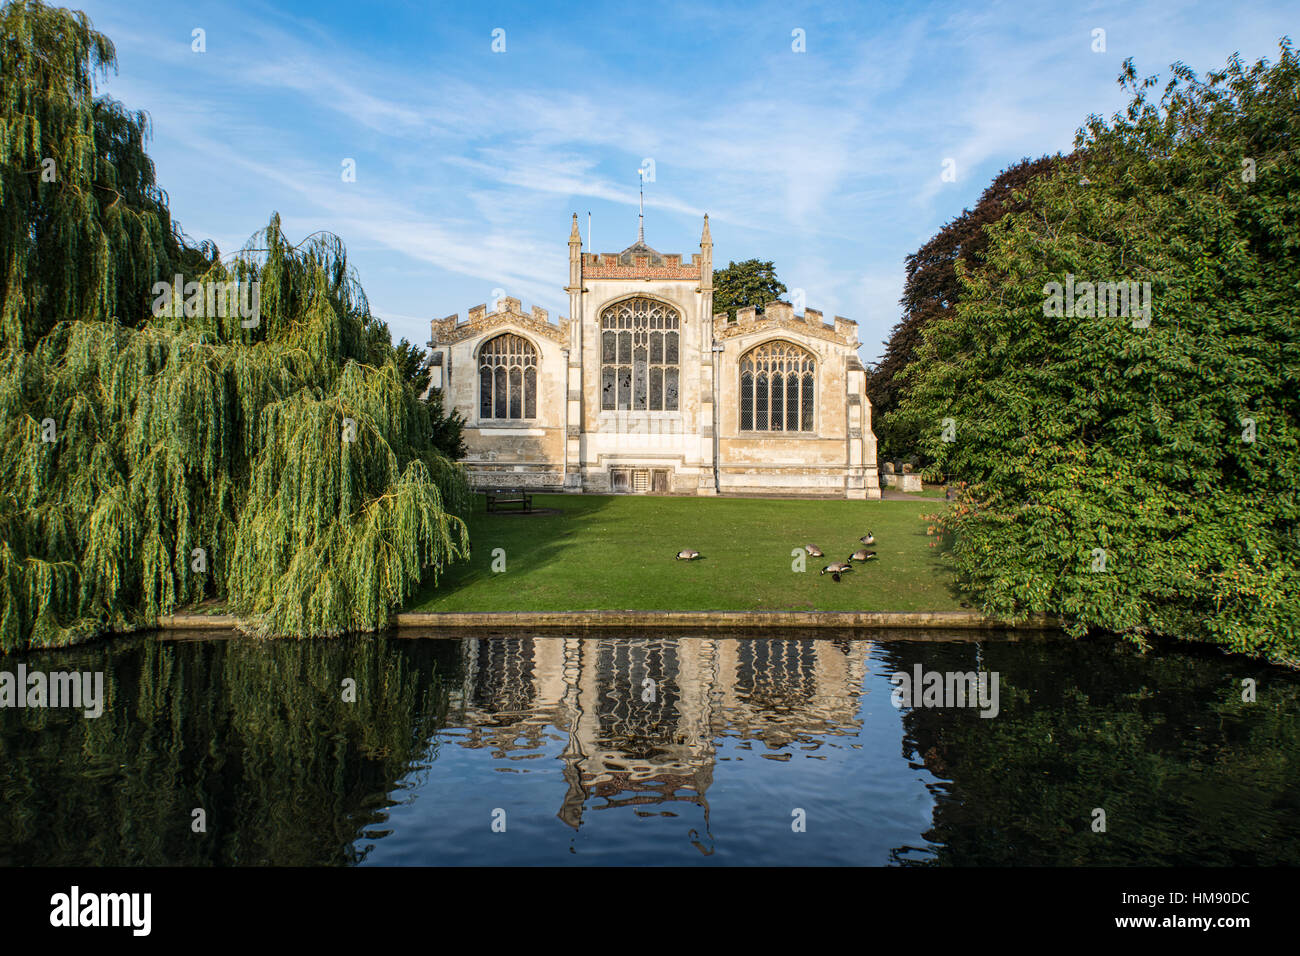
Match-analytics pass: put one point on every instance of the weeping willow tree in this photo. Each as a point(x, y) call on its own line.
point(162, 449)
point(84, 228)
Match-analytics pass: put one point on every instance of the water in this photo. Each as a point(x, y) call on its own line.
point(667, 750)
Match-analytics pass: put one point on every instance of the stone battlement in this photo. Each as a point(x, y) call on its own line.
point(509, 312)
point(748, 319)
point(648, 265)
point(649, 410)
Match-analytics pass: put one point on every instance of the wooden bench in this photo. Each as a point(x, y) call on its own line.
point(508, 496)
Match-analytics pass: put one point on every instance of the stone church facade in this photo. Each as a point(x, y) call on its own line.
point(645, 390)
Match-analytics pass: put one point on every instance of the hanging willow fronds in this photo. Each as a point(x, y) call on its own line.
point(285, 468)
point(158, 450)
point(84, 228)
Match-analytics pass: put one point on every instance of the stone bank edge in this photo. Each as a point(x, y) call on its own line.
point(967, 619)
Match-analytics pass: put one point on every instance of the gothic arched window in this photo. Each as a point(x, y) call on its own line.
point(777, 387)
point(507, 378)
point(639, 342)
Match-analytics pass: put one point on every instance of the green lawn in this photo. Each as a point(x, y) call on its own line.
point(930, 492)
point(617, 552)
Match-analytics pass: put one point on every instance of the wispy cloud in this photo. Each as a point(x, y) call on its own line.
point(469, 163)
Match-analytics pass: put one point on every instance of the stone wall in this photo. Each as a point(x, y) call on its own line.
point(837, 457)
point(645, 439)
point(573, 444)
point(516, 452)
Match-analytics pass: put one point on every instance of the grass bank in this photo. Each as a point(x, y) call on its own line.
point(617, 553)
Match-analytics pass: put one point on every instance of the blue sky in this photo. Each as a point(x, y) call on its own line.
point(469, 162)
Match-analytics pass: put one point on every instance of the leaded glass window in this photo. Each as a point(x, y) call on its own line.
point(639, 345)
point(777, 388)
point(507, 378)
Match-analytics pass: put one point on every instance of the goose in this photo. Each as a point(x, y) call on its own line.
point(836, 568)
point(813, 550)
point(868, 538)
point(687, 555)
point(862, 554)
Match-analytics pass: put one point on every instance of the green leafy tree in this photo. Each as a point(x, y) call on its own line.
point(1137, 479)
point(741, 284)
point(933, 288)
point(412, 364)
point(157, 451)
point(447, 430)
point(84, 229)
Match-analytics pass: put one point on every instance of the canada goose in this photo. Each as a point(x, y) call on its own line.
point(687, 555)
point(836, 568)
point(813, 550)
point(862, 554)
point(868, 538)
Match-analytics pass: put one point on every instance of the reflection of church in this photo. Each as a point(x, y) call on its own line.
point(642, 715)
point(646, 390)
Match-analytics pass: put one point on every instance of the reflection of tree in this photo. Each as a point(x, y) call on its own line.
point(256, 734)
point(1188, 774)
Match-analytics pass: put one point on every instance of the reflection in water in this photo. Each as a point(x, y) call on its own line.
point(256, 735)
point(615, 749)
point(641, 717)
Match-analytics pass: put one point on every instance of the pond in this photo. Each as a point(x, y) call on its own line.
point(694, 749)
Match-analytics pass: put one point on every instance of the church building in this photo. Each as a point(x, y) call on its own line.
point(646, 391)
